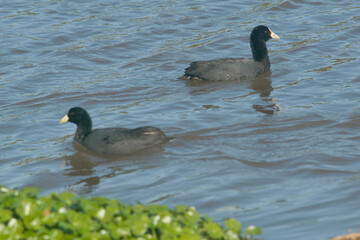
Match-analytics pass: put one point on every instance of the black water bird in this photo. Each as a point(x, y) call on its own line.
point(236, 68)
point(112, 141)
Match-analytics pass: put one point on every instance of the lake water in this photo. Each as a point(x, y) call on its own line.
point(280, 151)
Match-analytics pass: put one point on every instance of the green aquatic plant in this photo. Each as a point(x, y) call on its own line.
point(25, 215)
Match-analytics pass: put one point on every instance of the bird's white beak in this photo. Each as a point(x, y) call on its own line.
point(273, 35)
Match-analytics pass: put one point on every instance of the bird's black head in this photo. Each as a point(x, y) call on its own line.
point(258, 38)
point(262, 33)
point(79, 116)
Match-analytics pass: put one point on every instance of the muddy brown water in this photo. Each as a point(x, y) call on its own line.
point(280, 151)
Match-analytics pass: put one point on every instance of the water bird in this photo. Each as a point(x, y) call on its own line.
point(111, 141)
point(228, 69)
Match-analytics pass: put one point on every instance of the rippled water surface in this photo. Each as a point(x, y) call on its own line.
point(280, 151)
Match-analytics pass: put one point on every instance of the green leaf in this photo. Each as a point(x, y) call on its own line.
point(33, 224)
point(233, 225)
point(5, 215)
point(119, 231)
point(138, 208)
point(180, 208)
point(51, 219)
point(89, 207)
point(213, 230)
point(54, 234)
point(230, 235)
point(187, 236)
point(26, 208)
point(139, 225)
point(14, 226)
point(66, 227)
point(30, 192)
point(192, 217)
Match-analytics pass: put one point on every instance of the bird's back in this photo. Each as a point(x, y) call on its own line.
point(123, 140)
point(226, 69)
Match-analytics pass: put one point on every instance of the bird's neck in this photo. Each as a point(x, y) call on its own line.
point(259, 51)
point(83, 130)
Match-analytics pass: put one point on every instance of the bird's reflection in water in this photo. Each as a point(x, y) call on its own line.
point(86, 169)
point(80, 168)
point(262, 86)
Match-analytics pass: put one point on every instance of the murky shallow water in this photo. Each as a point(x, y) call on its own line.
point(280, 151)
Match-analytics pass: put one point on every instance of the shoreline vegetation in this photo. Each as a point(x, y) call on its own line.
point(25, 215)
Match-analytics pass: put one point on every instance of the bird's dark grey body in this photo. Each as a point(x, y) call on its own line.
point(227, 69)
point(122, 141)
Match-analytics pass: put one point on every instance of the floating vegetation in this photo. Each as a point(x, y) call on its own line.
point(25, 215)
